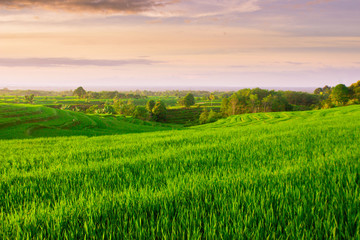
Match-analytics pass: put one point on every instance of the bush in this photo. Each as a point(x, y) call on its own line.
point(92, 109)
point(141, 113)
point(213, 116)
point(66, 107)
point(108, 109)
point(188, 100)
point(204, 116)
point(209, 117)
point(159, 111)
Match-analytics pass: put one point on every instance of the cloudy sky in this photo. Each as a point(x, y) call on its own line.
point(179, 43)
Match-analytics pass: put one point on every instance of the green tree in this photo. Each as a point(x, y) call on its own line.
point(188, 100)
point(340, 94)
point(141, 112)
point(254, 100)
point(80, 92)
point(128, 108)
point(16, 99)
point(204, 116)
point(326, 89)
point(318, 91)
point(211, 98)
point(208, 117)
point(108, 109)
point(355, 90)
point(92, 109)
point(234, 105)
point(150, 105)
point(278, 103)
point(125, 108)
point(267, 102)
point(159, 111)
point(225, 107)
point(29, 98)
point(213, 116)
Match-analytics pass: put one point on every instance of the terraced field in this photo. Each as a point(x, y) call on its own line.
point(253, 119)
point(186, 116)
point(73, 100)
point(26, 121)
point(293, 175)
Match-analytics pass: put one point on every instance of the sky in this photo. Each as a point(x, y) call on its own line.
point(140, 44)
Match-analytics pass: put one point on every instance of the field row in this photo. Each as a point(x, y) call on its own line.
point(24, 121)
point(276, 117)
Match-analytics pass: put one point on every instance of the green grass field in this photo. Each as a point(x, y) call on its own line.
point(290, 175)
point(186, 116)
point(73, 100)
point(29, 121)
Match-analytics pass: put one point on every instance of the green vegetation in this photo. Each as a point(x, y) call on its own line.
point(121, 171)
point(80, 92)
point(29, 99)
point(186, 116)
point(355, 91)
point(141, 112)
point(278, 175)
point(27, 121)
point(208, 117)
point(188, 100)
point(150, 105)
point(262, 100)
point(159, 111)
point(177, 107)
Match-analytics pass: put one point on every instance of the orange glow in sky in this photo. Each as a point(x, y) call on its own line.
point(229, 43)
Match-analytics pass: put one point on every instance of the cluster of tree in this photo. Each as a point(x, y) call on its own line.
point(261, 100)
point(180, 93)
point(187, 101)
point(137, 94)
point(355, 92)
point(113, 94)
point(301, 100)
point(157, 110)
point(339, 95)
point(153, 111)
point(208, 116)
point(242, 101)
point(143, 94)
point(80, 92)
point(124, 107)
point(255, 100)
point(6, 91)
point(28, 99)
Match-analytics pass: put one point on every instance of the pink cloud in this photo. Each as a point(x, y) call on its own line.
point(107, 6)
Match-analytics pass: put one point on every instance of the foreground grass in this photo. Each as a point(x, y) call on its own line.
point(246, 177)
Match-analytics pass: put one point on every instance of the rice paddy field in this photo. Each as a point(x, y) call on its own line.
point(290, 175)
point(18, 121)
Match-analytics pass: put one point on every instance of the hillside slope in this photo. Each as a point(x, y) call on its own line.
point(254, 119)
point(29, 121)
point(296, 176)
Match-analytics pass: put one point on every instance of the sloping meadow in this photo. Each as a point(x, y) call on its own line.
point(295, 178)
point(22, 121)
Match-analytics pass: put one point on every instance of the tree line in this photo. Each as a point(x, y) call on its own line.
point(262, 100)
point(153, 111)
point(233, 103)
